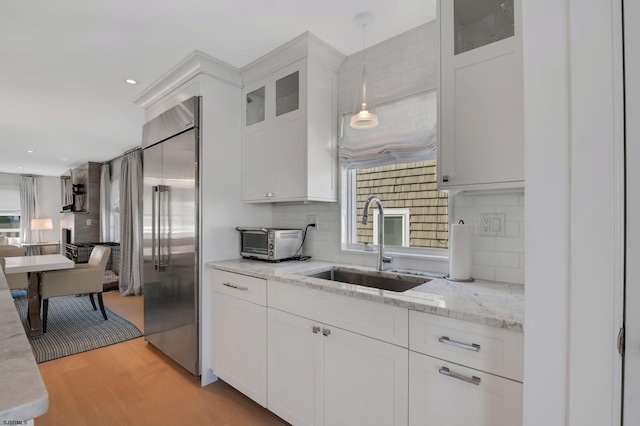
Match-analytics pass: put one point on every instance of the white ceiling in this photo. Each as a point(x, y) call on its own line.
point(64, 62)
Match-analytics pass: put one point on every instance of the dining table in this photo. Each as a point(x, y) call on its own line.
point(33, 265)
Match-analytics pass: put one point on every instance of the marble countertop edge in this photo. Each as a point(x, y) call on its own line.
point(23, 395)
point(489, 303)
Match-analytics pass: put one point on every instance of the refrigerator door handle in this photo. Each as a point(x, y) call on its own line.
point(154, 227)
point(162, 227)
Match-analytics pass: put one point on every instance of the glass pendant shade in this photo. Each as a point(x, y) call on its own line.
point(364, 115)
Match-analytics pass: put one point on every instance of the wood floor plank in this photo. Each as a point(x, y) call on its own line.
point(133, 383)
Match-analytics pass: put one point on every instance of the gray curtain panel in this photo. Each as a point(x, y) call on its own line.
point(28, 206)
point(105, 203)
point(131, 224)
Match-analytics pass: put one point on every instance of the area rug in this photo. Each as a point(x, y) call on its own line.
point(73, 327)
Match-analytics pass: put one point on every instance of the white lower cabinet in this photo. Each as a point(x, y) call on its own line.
point(240, 335)
point(319, 374)
point(316, 358)
point(463, 373)
point(446, 394)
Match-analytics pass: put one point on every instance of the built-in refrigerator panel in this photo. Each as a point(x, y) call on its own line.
point(171, 235)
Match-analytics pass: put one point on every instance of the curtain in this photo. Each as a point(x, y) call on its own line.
point(407, 133)
point(28, 207)
point(131, 224)
point(105, 203)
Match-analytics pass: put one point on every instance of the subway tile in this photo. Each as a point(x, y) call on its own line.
point(400, 42)
point(495, 258)
point(512, 229)
point(481, 243)
point(497, 200)
point(461, 200)
point(511, 213)
point(403, 65)
point(507, 244)
point(510, 275)
point(480, 272)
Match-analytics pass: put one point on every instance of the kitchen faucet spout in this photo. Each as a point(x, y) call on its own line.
point(382, 259)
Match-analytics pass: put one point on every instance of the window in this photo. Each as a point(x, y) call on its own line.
point(10, 211)
point(396, 227)
point(396, 164)
point(416, 214)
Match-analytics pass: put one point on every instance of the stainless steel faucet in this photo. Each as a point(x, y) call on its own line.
point(365, 218)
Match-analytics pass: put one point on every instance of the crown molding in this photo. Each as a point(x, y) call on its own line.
point(194, 64)
point(306, 45)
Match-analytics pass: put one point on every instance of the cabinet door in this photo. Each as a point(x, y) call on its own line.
point(295, 368)
point(467, 397)
point(481, 99)
point(366, 380)
point(258, 154)
point(240, 345)
point(257, 164)
point(288, 138)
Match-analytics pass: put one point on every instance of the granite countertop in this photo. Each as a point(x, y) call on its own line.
point(490, 303)
point(23, 395)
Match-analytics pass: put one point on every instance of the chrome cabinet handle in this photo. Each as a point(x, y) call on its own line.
point(270, 194)
point(473, 379)
point(472, 347)
point(316, 329)
point(237, 287)
point(326, 332)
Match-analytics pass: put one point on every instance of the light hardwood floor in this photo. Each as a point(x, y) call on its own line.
point(132, 383)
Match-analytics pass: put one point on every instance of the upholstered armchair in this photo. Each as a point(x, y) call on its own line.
point(84, 278)
point(16, 281)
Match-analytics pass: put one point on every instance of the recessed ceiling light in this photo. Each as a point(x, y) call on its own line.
point(131, 81)
point(19, 167)
point(30, 151)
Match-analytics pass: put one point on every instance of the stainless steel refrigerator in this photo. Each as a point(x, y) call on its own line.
point(171, 219)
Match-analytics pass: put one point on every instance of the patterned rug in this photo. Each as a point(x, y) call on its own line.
point(73, 327)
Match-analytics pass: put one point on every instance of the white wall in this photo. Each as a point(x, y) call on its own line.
point(399, 67)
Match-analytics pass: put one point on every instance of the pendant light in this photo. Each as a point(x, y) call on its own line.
point(364, 116)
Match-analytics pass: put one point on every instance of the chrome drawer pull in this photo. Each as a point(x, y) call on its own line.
point(237, 287)
point(326, 332)
point(473, 380)
point(472, 347)
point(316, 329)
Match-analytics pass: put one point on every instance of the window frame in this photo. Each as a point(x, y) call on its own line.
point(348, 223)
point(403, 213)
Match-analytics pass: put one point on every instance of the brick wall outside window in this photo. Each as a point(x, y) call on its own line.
point(411, 186)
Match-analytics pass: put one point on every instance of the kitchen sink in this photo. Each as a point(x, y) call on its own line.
point(374, 279)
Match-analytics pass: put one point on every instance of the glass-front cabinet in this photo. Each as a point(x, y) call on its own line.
point(254, 106)
point(288, 93)
point(289, 144)
point(478, 23)
point(481, 123)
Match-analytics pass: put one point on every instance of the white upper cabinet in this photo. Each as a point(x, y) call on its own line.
point(481, 126)
point(289, 117)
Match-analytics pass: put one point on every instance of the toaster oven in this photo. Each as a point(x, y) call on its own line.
point(272, 244)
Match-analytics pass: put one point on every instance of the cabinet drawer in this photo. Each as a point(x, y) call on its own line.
point(241, 286)
point(445, 394)
point(494, 350)
point(383, 322)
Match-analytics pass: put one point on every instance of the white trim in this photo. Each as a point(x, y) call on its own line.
point(405, 214)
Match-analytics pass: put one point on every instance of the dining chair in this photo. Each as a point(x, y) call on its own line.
point(16, 281)
point(83, 278)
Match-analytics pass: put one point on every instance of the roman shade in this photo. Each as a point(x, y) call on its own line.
point(407, 133)
point(9, 200)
